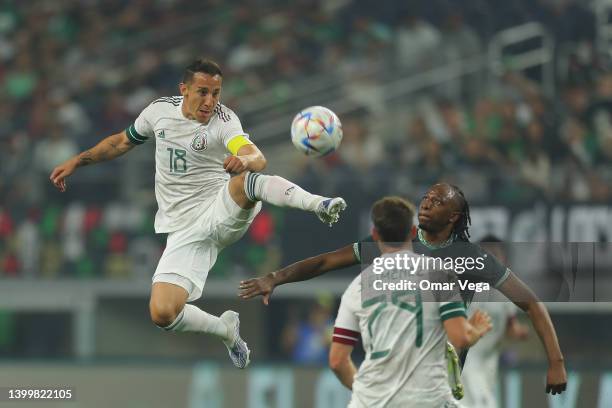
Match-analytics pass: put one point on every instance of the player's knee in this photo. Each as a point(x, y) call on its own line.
point(240, 177)
point(236, 184)
point(163, 314)
point(238, 192)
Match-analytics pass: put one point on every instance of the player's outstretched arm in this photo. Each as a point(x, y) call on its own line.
point(248, 157)
point(341, 363)
point(299, 271)
point(109, 148)
point(515, 290)
point(464, 333)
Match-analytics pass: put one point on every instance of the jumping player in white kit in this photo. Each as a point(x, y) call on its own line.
point(199, 143)
point(404, 333)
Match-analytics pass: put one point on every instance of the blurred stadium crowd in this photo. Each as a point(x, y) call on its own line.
point(74, 71)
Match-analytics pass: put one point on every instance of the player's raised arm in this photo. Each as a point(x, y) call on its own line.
point(109, 148)
point(299, 271)
point(515, 290)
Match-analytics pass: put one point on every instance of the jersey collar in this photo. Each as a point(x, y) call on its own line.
point(179, 109)
point(429, 245)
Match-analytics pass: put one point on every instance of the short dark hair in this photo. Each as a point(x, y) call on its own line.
point(392, 218)
point(203, 65)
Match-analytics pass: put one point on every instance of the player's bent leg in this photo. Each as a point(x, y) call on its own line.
point(169, 311)
point(166, 303)
point(283, 193)
point(194, 252)
point(236, 190)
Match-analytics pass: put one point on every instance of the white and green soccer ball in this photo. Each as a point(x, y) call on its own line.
point(316, 131)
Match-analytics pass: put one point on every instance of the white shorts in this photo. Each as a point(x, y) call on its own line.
point(191, 252)
point(479, 390)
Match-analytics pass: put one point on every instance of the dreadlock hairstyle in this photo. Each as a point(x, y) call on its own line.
point(462, 225)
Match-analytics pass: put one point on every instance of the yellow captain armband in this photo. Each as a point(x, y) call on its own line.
point(236, 143)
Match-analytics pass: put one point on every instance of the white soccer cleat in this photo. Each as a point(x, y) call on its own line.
point(329, 209)
point(237, 348)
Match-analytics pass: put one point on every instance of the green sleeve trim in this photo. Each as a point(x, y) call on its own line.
point(451, 314)
point(451, 305)
point(501, 280)
point(451, 310)
point(134, 136)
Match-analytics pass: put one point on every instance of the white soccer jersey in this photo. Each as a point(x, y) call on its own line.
point(480, 373)
point(405, 343)
point(188, 158)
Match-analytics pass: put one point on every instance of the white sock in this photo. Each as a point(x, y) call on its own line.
point(280, 192)
point(193, 319)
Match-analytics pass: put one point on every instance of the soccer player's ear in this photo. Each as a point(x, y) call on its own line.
point(183, 88)
point(375, 235)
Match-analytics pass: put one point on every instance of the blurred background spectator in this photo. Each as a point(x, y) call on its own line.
point(306, 339)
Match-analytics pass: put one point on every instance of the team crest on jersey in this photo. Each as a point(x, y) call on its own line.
point(199, 141)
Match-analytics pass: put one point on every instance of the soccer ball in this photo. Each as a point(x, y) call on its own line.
point(316, 131)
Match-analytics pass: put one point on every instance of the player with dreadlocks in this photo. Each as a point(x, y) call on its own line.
point(460, 228)
point(443, 232)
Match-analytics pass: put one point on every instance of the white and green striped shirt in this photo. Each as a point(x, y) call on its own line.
point(405, 343)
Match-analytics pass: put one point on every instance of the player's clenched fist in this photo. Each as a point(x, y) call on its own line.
point(556, 378)
point(59, 174)
point(235, 164)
